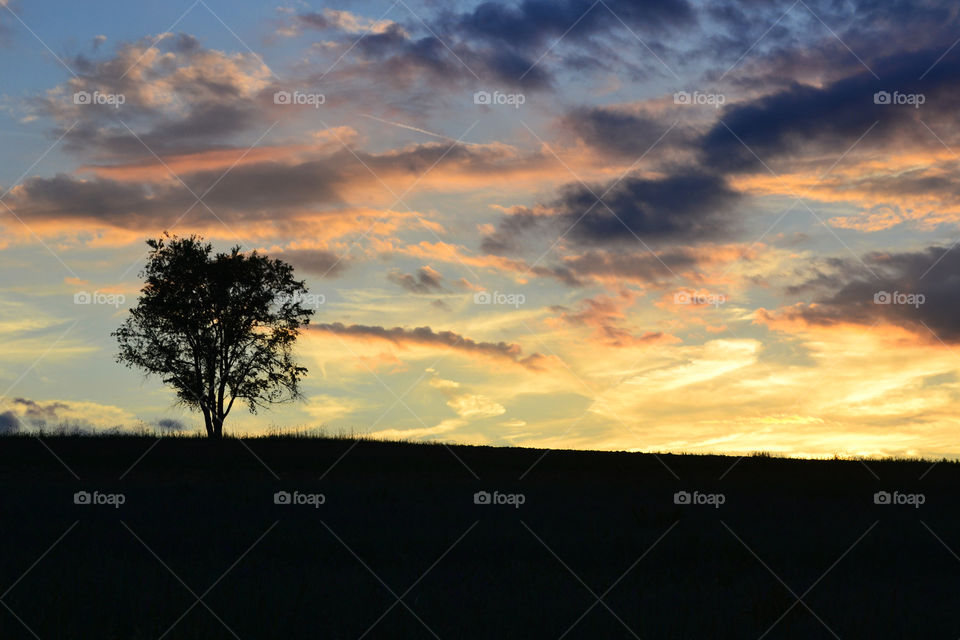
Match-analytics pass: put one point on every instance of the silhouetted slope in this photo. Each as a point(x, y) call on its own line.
point(406, 515)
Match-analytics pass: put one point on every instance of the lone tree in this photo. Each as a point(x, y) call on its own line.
point(216, 327)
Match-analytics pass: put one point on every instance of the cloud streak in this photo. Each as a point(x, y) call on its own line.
point(502, 351)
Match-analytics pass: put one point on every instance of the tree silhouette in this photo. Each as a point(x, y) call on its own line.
point(216, 327)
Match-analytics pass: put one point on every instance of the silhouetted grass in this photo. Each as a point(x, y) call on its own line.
point(406, 513)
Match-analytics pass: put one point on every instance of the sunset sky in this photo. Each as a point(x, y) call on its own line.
point(654, 226)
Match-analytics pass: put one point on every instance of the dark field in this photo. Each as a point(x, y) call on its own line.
point(399, 549)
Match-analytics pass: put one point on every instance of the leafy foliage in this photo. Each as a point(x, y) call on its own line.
point(216, 327)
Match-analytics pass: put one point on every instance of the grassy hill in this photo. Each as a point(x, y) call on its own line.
point(184, 538)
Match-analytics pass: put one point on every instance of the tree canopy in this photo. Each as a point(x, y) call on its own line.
point(217, 327)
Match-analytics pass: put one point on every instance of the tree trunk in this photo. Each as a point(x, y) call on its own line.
point(208, 423)
point(217, 426)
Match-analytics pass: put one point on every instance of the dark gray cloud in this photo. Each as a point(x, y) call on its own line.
point(623, 133)
point(776, 42)
point(313, 20)
point(639, 266)
point(207, 125)
point(427, 336)
point(795, 124)
point(271, 191)
point(399, 52)
point(508, 237)
point(186, 99)
point(685, 206)
point(505, 42)
point(316, 262)
point(688, 204)
point(445, 59)
point(125, 204)
point(845, 291)
point(9, 423)
point(805, 118)
point(8, 22)
point(170, 425)
point(425, 280)
point(531, 24)
point(33, 410)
